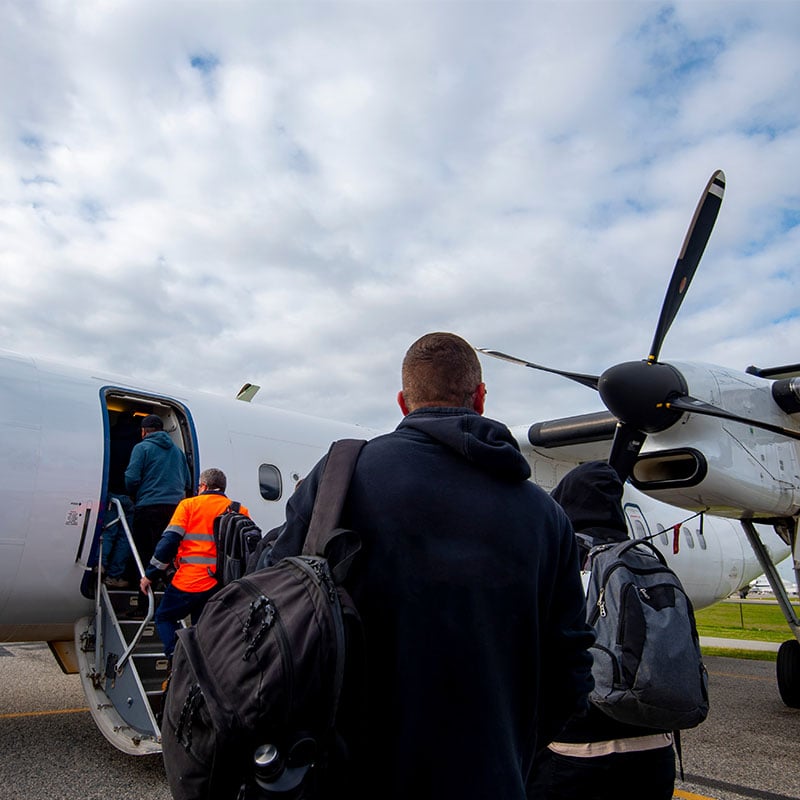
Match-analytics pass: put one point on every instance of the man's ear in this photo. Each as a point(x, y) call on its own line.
point(479, 398)
point(401, 401)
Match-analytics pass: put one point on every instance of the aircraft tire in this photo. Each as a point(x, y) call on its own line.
point(788, 668)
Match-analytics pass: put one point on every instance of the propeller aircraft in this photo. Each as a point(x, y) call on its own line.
point(702, 448)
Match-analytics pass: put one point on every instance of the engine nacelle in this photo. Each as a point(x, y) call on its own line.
point(709, 481)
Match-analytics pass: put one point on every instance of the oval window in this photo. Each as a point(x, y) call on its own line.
point(662, 533)
point(269, 482)
point(701, 538)
point(687, 535)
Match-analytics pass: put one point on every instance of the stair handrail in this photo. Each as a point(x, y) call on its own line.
point(123, 659)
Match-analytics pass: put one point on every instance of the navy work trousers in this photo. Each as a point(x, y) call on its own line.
point(175, 605)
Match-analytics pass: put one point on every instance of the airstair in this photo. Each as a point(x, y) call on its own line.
point(121, 660)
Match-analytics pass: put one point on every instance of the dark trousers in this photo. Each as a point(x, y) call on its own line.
point(149, 522)
point(619, 776)
point(175, 605)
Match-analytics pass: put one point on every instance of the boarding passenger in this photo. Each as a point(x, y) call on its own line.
point(469, 590)
point(596, 756)
point(189, 541)
point(117, 556)
point(157, 479)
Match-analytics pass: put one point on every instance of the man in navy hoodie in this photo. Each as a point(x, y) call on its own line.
point(157, 479)
point(469, 590)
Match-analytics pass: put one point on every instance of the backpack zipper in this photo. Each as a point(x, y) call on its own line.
point(320, 571)
point(281, 635)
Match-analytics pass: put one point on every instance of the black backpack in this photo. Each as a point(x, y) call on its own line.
point(648, 669)
point(236, 537)
point(254, 699)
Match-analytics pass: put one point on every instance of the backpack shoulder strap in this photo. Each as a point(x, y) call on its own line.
point(331, 494)
point(221, 520)
point(630, 545)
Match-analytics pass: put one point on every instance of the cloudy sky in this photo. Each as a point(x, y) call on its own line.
point(290, 193)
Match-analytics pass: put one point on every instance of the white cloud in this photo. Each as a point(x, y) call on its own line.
point(296, 191)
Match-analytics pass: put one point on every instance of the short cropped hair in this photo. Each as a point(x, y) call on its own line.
point(214, 479)
point(440, 369)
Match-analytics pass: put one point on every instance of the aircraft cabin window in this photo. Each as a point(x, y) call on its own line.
point(701, 538)
point(269, 482)
point(639, 531)
point(687, 535)
point(663, 533)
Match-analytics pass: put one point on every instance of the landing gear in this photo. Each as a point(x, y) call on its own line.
point(788, 667)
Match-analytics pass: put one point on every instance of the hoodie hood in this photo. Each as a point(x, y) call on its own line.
point(482, 441)
point(591, 495)
point(159, 438)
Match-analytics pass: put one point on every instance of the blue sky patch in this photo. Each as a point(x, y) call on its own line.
point(790, 218)
point(31, 141)
point(672, 54)
point(204, 63)
point(92, 210)
point(793, 313)
point(37, 179)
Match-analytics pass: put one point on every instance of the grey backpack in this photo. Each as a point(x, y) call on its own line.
point(648, 669)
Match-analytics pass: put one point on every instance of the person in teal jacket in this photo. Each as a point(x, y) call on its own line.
point(157, 479)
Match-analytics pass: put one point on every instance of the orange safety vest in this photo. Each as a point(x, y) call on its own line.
point(193, 520)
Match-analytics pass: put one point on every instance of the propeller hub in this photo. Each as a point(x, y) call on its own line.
point(636, 392)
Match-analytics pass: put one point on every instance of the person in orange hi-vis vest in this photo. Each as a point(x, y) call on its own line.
point(189, 541)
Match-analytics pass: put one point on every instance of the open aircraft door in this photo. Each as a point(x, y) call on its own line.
point(120, 657)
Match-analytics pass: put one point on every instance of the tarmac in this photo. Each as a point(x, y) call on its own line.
point(747, 749)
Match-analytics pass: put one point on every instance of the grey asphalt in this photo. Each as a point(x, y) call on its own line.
point(747, 749)
point(49, 746)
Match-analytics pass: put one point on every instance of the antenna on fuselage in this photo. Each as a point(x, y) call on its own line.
point(247, 392)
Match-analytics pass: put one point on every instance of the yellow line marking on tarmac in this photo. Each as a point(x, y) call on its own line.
point(19, 714)
point(690, 795)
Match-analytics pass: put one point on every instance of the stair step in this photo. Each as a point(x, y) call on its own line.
point(156, 700)
point(153, 669)
point(148, 642)
point(130, 603)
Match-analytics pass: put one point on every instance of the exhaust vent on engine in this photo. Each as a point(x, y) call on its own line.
point(669, 469)
point(786, 394)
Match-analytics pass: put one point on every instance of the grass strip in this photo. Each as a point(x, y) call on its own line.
point(752, 655)
point(733, 619)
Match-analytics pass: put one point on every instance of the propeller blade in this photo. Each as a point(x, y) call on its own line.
point(628, 441)
point(695, 406)
point(694, 244)
point(586, 380)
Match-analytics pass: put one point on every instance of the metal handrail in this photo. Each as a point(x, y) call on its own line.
point(123, 659)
